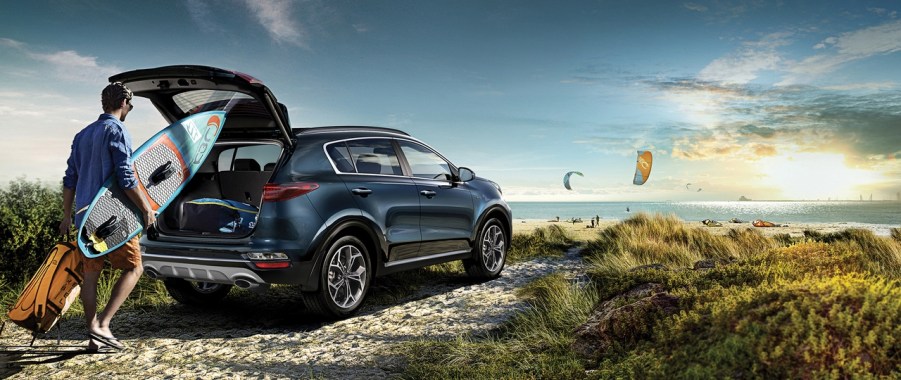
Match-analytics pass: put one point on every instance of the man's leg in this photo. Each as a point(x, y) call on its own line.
point(121, 290)
point(89, 300)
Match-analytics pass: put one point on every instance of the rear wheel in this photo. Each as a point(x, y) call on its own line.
point(344, 279)
point(196, 293)
point(489, 253)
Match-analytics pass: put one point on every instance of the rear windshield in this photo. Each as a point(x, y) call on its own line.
point(191, 102)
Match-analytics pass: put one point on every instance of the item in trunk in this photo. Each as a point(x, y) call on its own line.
point(218, 215)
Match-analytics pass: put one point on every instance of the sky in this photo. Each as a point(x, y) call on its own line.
point(775, 100)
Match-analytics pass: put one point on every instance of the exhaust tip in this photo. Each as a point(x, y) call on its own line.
point(152, 273)
point(245, 284)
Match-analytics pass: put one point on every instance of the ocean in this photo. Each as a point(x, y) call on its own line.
point(851, 212)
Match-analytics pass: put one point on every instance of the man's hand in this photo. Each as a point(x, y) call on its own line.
point(149, 218)
point(65, 225)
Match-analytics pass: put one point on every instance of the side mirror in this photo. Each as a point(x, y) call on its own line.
point(466, 174)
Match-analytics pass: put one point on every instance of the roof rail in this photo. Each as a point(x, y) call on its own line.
point(347, 128)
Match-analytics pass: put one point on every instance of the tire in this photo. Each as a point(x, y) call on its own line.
point(489, 253)
point(344, 279)
point(195, 293)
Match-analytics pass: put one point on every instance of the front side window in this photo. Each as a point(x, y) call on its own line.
point(424, 162)
point(365, 156)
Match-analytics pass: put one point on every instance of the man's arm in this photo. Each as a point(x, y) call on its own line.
point(68, 200)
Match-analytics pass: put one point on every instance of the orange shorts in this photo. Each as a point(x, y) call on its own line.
point(126, 257)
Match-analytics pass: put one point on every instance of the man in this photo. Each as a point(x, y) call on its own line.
point(101, 149)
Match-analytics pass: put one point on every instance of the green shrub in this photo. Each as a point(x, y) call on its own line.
point(880, 255)
point(29, 217)
point(835, 327)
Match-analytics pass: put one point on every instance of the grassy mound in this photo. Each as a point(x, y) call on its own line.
point(824, 306)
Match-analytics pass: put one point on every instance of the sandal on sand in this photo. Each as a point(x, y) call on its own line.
point(108, 341)
point(101, 349)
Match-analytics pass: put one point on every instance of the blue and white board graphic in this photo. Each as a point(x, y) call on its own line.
point(163, 165)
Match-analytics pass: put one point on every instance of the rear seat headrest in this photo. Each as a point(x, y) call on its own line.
point(247, 165)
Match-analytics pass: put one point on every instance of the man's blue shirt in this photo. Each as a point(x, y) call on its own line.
point(99, 150)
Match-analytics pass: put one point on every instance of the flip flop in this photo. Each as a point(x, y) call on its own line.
point(108, 341)
point(101, 350)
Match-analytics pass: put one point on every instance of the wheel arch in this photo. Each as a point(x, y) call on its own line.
point(496, 212)
point(361, 229)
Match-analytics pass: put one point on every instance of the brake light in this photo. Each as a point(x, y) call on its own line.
point(273, 265)
point(274, 192)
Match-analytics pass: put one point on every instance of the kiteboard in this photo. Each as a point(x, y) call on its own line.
point(162, 165)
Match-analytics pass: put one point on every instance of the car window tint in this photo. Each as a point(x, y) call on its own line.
point(340, 156)
point(248, 158)
point(374, 156)
point(424, 162)
point(195, 101)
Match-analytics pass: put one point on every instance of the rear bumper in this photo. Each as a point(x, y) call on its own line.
point(228, 266)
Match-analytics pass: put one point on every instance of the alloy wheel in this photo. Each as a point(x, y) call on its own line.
point(493, 248)
point(347, 276)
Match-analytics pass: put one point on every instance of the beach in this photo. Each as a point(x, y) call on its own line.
point(583, 231)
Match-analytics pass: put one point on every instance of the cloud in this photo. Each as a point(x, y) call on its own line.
point(744, 65)
point(764, 132)
point(199, 11)
point(845, 48)
point(758, 123)
point(275, 16)
point(695, 7)
point(66, 64)
point(10, 43)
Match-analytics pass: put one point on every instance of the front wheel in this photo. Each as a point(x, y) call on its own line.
point(489, 253)
point(344, 279)
point(196, 293)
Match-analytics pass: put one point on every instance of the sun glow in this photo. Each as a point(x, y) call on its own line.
point(810, 176)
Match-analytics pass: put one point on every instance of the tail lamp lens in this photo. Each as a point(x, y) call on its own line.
point(274, 192)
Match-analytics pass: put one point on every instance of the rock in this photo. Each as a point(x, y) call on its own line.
point(704, 264)
point(623, 320)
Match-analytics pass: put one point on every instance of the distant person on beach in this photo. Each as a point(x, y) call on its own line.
point(592, 223)
point(558, 218)
point(627, 208)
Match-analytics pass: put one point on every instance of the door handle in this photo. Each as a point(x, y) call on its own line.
point(428, 193)
point(361, 191)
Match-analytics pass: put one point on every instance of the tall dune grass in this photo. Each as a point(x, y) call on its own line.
point(551, 240)
point(657, 239)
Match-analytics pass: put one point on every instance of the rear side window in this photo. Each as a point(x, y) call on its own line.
point(251, 158)
point(366, 156)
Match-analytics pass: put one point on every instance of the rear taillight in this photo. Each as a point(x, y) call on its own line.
point(274, 192)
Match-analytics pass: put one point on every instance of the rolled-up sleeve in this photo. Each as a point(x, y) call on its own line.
point(71, 177)
point(120, 149)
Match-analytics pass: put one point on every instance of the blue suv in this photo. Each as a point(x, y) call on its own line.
point(326, 208)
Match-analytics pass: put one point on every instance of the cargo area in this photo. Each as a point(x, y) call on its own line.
point(223, 196)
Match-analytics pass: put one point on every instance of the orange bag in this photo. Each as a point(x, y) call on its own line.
point(51, 291)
